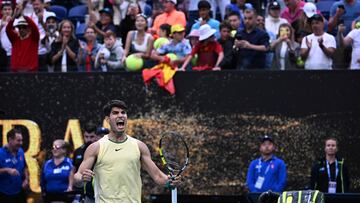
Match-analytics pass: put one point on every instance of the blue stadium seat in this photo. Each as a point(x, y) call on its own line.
point(80, 31)
point(60, 11)
point(324, 7)
point(77, 14)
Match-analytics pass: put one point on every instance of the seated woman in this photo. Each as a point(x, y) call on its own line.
point(139, 42)
point(57, 174)
point(285, 48)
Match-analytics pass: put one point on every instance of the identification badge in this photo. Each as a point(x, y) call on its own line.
point(259, 182)
point(57, 170)
point(332, 187)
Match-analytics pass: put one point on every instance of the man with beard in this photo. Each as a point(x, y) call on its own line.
point(89, 137)
point(14, 177)
point(268, 172)
point(118, 159)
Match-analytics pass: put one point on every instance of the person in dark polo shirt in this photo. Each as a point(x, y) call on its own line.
point(251, 44)
point(14, 177)
point(91, 135)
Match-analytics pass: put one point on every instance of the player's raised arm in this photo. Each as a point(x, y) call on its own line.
point(85, 173)
point(150, 167)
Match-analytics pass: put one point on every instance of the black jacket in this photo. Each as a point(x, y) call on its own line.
point(320, 179)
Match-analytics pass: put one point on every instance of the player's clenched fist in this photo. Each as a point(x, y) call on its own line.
point(87, 175)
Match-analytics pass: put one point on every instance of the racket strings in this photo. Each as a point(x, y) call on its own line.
point(175, 152)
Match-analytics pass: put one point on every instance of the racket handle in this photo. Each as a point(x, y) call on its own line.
point(174, 195)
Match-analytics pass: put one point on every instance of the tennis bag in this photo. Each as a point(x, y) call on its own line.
point(301, 196)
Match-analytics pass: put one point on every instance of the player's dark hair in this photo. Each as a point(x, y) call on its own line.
point(11, 134)
point(113, 103)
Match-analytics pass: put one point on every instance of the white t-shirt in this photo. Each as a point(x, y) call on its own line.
point(273, 24)
point(317, 59)
point(5, 42)
point(284, 48)
point(355, 36)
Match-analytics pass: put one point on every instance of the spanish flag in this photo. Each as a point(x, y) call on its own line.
point(163, 73)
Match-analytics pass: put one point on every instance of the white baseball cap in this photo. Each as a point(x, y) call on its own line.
point(309, 9)
point(49, 14)
point(20, 21)
point(174, 1)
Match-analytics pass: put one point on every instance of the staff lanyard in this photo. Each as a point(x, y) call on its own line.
point(267, 168)
point(336, 170)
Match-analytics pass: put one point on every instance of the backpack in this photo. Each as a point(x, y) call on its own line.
point(301, 196)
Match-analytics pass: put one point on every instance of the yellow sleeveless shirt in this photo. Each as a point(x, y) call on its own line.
point(117, 172)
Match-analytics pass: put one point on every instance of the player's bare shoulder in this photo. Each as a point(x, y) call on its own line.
point(142, 146)
point(93, 149)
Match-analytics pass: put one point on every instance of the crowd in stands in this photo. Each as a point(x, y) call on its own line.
point(99, 35)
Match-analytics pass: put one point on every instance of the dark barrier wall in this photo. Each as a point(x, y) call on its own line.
point(221, 114)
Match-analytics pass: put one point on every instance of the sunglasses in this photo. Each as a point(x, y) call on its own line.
point(141, 15)
point(56, 147)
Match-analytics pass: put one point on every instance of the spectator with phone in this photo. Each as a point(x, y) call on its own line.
point(345, 10)
point(286, 49)
point(251, 44)
point(352, 39)
point(105, 23)
point(227, 43)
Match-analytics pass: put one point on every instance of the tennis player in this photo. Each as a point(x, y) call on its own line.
point(115, 161)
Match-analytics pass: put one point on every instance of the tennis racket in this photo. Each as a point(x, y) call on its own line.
point(174, 154)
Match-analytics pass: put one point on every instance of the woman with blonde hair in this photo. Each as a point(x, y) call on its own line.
point(57, 174)
point(285, 48)
point(64, 50)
